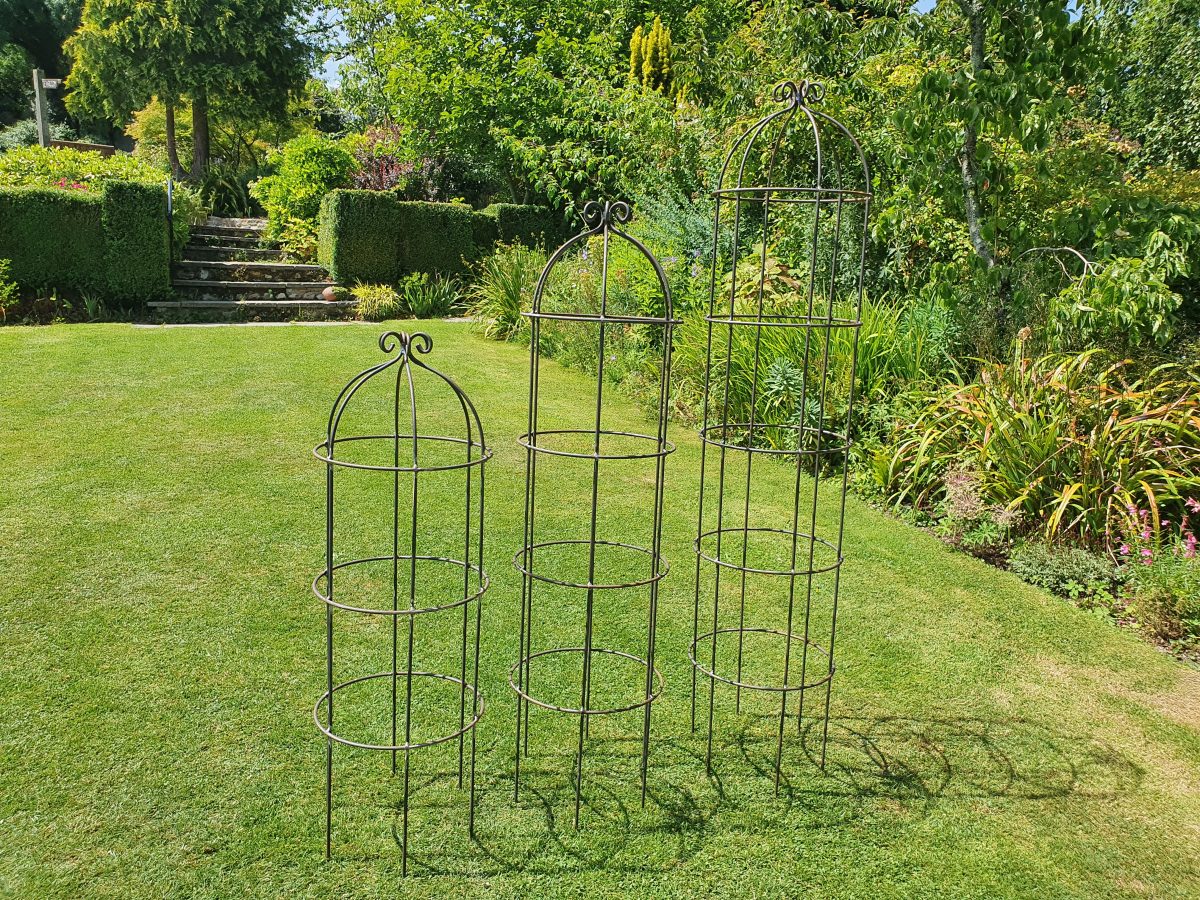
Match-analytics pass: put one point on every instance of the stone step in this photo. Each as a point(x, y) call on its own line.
point(201, 253)
point(212, 290)
point(201, 236)
point(252, 224)
point(251, 303)
point(246, 271)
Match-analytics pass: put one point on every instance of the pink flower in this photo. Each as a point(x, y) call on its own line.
point(1147, 556)
point(1193, 504)
point(1124, 549)
point(1189, 546)
point(1146, 533)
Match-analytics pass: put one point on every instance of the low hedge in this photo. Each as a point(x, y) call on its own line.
point(528, 225)
point(358, 236)
point(137, 249)
point(54, 237)
point(112, 241)
point(373, 237)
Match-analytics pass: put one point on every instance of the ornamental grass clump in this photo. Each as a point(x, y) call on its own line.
point(503, 289)
point(1069, 442)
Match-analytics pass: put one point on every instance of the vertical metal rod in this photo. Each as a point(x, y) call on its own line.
point(586, 699)
point(533, 419)
point(752, 134)
point(712, 681)
point(817, 455)
point(478, 628)
point(462, 691)
point(656, 550)
point(712, 293)
point(329, 648)
point(396, 547)
point(526, 579)
point(837, 576)
point(412, 602)
point(787, 653)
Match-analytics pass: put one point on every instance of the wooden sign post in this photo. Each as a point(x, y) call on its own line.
point(39, 108)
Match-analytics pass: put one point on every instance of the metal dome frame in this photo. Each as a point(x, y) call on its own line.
point(404, 351)
point(838, 189)
point(603, 221)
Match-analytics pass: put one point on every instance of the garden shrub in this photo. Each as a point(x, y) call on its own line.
point(9, 291)
point(86, 170)
point(111, 241)
point(1068, 441)
point(54, 237)
point(532, 226)
point(25, 134)
point(136, 251)
point(377, 302)
point(1162, 560)
point(503, 289)
point(428, 296)
point(1065, 570)
point(306, 169)
point(436, 237)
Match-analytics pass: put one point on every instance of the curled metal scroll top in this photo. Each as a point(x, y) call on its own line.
point(407, 344)
point(798, 93)
point(603, 215)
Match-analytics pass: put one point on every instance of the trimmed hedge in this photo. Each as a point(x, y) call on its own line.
point(112, 242)
point(373, 237)
point(54, 238)
point(137, 249)
point(528, 225)
point(358, 237)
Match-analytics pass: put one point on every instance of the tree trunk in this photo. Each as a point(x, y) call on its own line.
point(200, 145)
point(172, 147)
point(968, 156)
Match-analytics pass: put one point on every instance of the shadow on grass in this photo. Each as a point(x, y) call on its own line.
point(879, 773)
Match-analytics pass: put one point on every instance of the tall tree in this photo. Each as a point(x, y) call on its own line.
point(997, 80)
point(250, 52)
point(31, 36)
point(1156, 99)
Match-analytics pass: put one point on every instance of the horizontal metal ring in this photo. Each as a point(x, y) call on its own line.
point(414, 611)
point(814, 322)
point(478, 705)
point(586, 712)
point(321, 452)
point(774, 688)
point(665, 448)
point(662, 567)
point(759, 426)
point(793, 194)
point(598, 318)
point(744, 532)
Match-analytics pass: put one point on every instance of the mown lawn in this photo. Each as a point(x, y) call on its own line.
point(161, 518)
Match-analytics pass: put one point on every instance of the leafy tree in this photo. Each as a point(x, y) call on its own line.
point(252, 53)
point(31, 36)
point(996, 83)
point(40, 27)
point(1156, 99)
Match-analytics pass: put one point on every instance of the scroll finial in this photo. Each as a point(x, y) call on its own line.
point(598, 215)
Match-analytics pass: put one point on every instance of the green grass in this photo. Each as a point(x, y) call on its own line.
point(161, 520)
